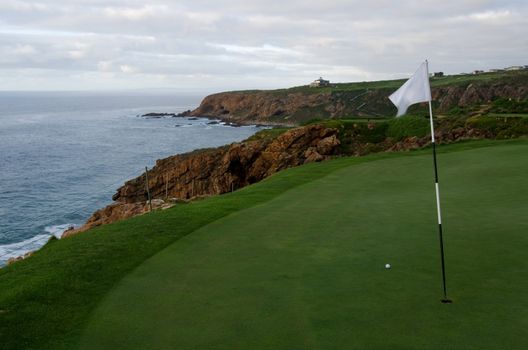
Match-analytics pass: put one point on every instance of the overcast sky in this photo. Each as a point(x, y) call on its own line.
point(206, 46)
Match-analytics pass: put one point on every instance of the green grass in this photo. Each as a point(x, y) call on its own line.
point(459, 79)
point(46, 299)
point(508, 115)
point(340, 122)
point(465, 79)
point(369, 99)
point(268, 134)
point(305, 270)
point(399, 128)
point(295, 261)
point(504, 105)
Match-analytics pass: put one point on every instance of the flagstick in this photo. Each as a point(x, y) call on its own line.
point(440, 233)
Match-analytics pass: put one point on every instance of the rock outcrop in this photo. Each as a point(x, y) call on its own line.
point(264, 107)
point(216, 171)
point(219, 170)
point(19, 258)
point(115, 212)
point(292, 106)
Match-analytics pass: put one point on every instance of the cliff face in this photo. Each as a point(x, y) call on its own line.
point(473, 94)
point(220, 170)
point(261, 107)
point(216, 171)
point(292, 106)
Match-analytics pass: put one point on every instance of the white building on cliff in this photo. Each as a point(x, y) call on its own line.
point(320, 83)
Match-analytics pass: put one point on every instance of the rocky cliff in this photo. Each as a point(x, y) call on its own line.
point(216, 171)
point(293, 106)
point(220, 170)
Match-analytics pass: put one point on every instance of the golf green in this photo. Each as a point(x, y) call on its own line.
point(306, 270)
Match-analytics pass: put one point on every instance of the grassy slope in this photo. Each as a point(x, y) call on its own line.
point(356, 99)
point(462, 79)
point(45, 300)
point(305, 270)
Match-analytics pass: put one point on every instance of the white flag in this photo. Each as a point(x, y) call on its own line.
point(415, 90)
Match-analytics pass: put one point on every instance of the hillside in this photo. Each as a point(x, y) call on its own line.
point(69, 293)
point(306, 269)
point(295, 261)
point(451, 95)
point(219, 170)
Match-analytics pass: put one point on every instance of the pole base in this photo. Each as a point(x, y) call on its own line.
point(446, 301)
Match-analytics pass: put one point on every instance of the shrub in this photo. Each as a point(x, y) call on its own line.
point(500, 127)
point(399, 128)
point(506, 105)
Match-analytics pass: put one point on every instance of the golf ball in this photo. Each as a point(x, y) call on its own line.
point(387, 266)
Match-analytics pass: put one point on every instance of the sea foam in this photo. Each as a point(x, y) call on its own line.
point(14, 250)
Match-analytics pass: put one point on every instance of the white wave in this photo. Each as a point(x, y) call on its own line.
point(58, 230)
point(14, 250)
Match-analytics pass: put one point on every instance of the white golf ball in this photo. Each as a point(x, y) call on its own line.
point(387, 266)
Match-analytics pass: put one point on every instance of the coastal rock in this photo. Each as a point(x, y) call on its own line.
point(293, 106)
point(328, 145)
point(184, 114)
point(219, 170)
point(209, 172)
point(311, 155)
point(410, 143)
point(115, 212)
point(158, 115)
point(111, 213)
point(262, 106)
point(18, 258)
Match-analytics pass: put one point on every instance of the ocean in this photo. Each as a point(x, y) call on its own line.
point(63, 155)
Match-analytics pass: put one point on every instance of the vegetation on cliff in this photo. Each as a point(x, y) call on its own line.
point(469, 93)
point(219, 170)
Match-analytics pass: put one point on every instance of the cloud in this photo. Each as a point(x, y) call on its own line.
point(263, 50)
point(23, 6)
point(134, 14)
point(227, 44)
point(128, 69)
point(105, 66)
point(206, 18)
point(23, 50)
point(486, 17)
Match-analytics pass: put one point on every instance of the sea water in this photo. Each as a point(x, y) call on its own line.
point(63, 155)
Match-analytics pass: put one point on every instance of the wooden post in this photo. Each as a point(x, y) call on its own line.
point(148, 190)
point(166, 187)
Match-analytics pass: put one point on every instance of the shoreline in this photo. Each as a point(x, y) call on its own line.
point(13, 252)
point(227, 120)
point(23, 247)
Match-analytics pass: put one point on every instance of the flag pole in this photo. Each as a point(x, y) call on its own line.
point(445, 300)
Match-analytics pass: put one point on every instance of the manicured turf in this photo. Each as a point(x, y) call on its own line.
point(305, 270)
point(46, 300)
